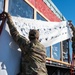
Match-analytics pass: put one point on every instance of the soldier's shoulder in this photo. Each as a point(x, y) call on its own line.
point(41, 45)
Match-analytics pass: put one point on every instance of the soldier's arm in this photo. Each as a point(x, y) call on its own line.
point(72, 27)
point(19, 39)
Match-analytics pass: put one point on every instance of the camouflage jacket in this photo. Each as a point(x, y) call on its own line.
point(73, 29)
point(33, 53)
point(73, 38)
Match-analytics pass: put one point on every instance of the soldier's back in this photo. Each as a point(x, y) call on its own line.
point(34, 60)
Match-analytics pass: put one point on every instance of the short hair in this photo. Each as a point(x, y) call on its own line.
point(33, 34)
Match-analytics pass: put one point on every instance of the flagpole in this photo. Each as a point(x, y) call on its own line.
point(6, 3)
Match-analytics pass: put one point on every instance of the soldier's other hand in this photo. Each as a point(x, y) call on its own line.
point(7, 14)
point(70, 24)
point(2, 16)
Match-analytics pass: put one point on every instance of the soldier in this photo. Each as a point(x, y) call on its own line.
point(33, 53)
point(73, 38)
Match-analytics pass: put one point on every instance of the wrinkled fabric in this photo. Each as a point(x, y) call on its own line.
point(33, 53)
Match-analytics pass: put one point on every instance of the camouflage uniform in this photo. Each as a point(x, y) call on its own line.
point(73, 38)
point(33, 53)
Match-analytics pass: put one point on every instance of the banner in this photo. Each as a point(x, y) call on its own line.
point(50, 32)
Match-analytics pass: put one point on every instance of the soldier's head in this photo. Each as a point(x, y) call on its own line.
point(33, 34)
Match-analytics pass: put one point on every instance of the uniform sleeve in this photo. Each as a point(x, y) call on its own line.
point(19, 39)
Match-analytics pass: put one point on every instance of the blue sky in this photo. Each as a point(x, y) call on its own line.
point(67, 8)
